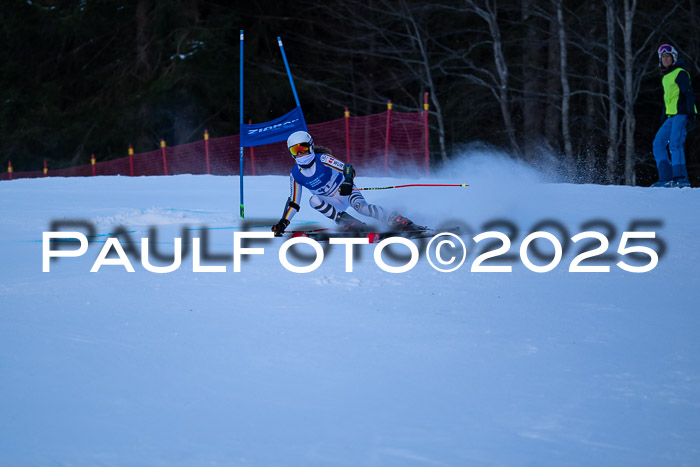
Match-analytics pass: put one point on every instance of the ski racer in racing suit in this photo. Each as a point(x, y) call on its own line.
point(331, 184)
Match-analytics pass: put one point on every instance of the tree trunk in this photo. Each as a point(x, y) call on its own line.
point(552, 115)
point(489, 15)
point(611, 159)
point(533, 64)
point(425, 59)
point(565, 91)
point(590, 145)
point(630, 123)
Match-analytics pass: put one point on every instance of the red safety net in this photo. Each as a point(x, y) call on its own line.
point(380, 144)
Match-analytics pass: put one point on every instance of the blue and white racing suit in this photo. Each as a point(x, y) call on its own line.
point(323, 179)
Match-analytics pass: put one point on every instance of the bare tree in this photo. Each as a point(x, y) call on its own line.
point(552, 114)
point(500, 84)
point(612, 126)
point(565, 90)
point(629, 7)
point(532, 65)
point(416, 34)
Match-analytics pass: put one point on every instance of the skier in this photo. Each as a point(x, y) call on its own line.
point(678, 119)
point(331, 184)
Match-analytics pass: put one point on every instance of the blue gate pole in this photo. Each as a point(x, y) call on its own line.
point(241, 131)
point(291, 81)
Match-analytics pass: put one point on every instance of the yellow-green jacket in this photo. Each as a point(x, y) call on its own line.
point(678, 93)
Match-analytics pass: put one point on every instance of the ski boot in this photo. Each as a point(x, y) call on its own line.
point(665, 184)
point(404, 224)
point(682, 182)
point(348, 223)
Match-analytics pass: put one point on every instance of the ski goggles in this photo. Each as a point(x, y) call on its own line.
point(665, 49)
point(300, 149)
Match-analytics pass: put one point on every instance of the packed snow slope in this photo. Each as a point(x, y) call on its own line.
point(268, 367)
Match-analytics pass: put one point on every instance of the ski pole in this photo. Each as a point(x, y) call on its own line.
point(404, 186)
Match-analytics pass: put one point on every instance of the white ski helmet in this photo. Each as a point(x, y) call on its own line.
point(300, 143)
point(668, 49)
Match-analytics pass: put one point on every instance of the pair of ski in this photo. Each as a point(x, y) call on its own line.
point(322, 235)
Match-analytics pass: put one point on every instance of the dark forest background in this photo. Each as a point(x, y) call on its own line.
point(567, 82)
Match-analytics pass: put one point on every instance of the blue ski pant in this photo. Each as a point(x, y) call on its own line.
point(672, 135)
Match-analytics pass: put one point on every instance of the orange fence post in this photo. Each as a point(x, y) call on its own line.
point(347, 135)
point(206, 149)
point(9, 169)
point(425, 119)
point(131, 161)
point(92, 162)
point(165, 161)
point(46, 168)
point(388, 133)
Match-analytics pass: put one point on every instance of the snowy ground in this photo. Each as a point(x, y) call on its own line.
point(268, 367)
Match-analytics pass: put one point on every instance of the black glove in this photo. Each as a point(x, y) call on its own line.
point(279, 227)
point(349, 174)
point(345, 189)
point(690, 123)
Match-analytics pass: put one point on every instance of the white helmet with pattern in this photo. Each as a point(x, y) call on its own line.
point(668, 49)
